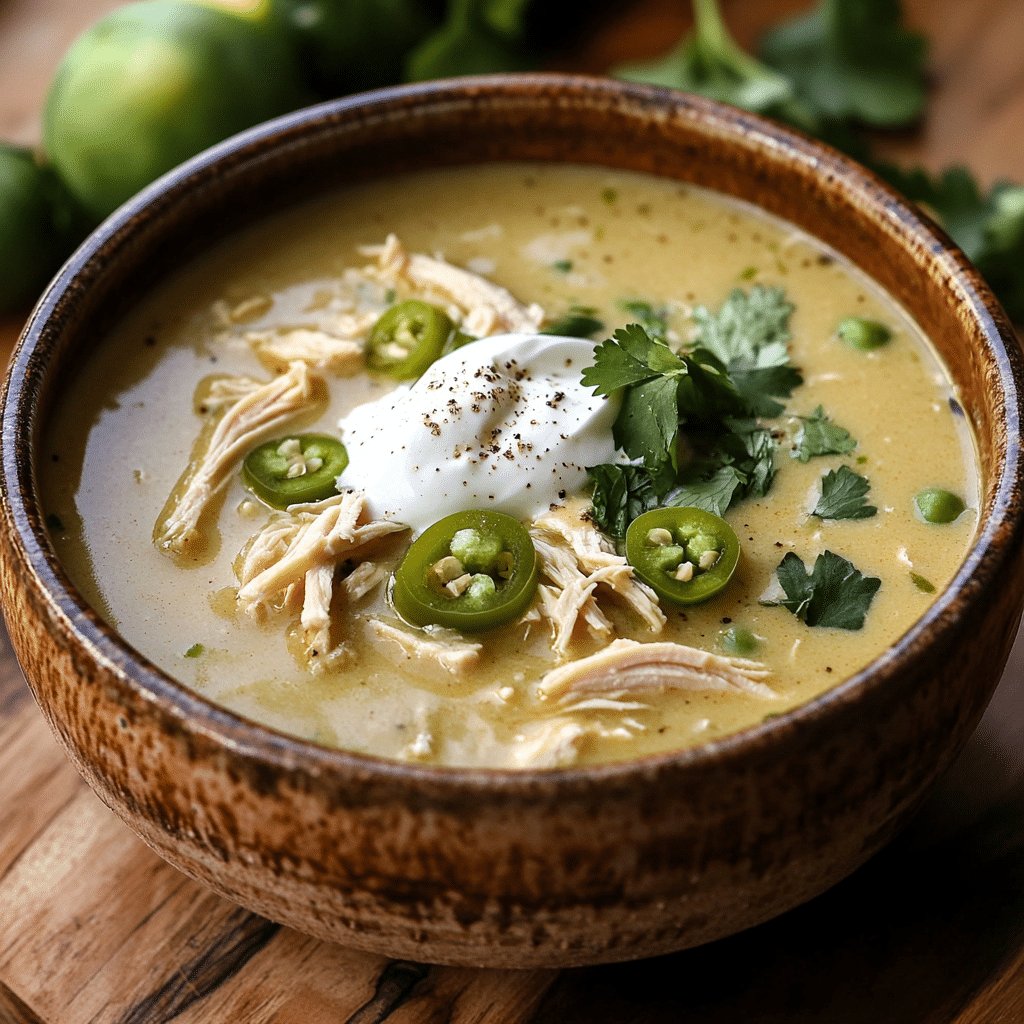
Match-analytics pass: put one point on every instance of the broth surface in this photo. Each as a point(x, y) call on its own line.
point(557, 236)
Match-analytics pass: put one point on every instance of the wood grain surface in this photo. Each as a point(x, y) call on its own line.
point(94, 928)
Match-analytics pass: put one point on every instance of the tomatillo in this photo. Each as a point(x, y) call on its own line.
point(39, 227)
point(408, 338)
point(154, 83)
point(470, 571)
point(686, 555)
point(295, 470)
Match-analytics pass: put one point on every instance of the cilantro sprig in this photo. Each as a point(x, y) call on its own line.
point(843, 496)
point(704, 401)
point(749, 335)
point(844, 65)
point(818, 435)
point(834, 593)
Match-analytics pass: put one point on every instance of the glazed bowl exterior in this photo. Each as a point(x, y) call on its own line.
point(533, 868)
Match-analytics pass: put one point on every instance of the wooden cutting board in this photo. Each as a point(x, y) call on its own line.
point(95, 928)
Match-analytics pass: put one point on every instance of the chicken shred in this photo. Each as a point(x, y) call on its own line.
point(275, 562)
point(342, 355)
point(451, 652)
point(251, 419)
point(555, 742)
point(577, 558)
point(484, 308)
point(628, 666)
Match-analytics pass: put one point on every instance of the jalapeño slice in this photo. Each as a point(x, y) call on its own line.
point(686, 555)
point(470, 571)
point(407, 339)
point(296, 469)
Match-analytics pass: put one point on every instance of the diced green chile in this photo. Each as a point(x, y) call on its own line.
point(864, 334)
point(407, 339)
point(493, 549)
point(315, 460)
point(661, 543)
point(936, 505)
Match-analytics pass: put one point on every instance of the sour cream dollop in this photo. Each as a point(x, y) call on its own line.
point(502, 423)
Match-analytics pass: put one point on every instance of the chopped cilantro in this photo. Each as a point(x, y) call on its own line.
point(562, 266)
point(820, 436)
point(842, 496)
point(925, 586)
point(54, 522)
point(748, 273)
point(609, 195)
point(195, 651)
point(833, 594)
point(578, 322)
point(653, 319)
point(749, 335)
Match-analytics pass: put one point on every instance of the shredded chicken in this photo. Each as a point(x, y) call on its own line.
point(214, 393)
point(251, 419)
point(627, 666)
point(342, 355)
point(362, 579)
point(446, 649)
point(275, 562)
point(483, 307)
point(577, 558)
point(555, 742)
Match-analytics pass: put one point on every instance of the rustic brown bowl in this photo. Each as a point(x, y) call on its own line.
point(533, 868)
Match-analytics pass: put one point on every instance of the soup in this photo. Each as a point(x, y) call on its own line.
point(842, 446)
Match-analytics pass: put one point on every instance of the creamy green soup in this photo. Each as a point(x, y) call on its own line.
point(562, 242)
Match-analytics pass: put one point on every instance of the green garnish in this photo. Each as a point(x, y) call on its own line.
point(749, 335)
point(562, 266)
point(609, 195)
point(739, 641)
point(859, 332)
point(925, 586)
point(842, 496)
point(749, 273)
point(578, 322)
point(833, 594)
point(621, 493)
point(938, 506)
point(820, 436)
point(195, 651)
point(54, 522)
point(653, 319)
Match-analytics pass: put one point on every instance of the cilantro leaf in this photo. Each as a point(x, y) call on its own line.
point(629, 357)
point(714, 493)
point(653, 319)
point(578, 322)
point(834, 594)
point(820, 436)
point(621, 493)
point(842, 496)
point(852, 59)
point(748, 326)
point(708, 61)
point(749, 335)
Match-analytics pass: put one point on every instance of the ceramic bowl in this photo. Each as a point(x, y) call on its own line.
point(533, 868)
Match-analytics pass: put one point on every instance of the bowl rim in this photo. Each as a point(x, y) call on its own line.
point(998, 539)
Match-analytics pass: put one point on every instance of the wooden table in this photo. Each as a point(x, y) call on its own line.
point(95, 928)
